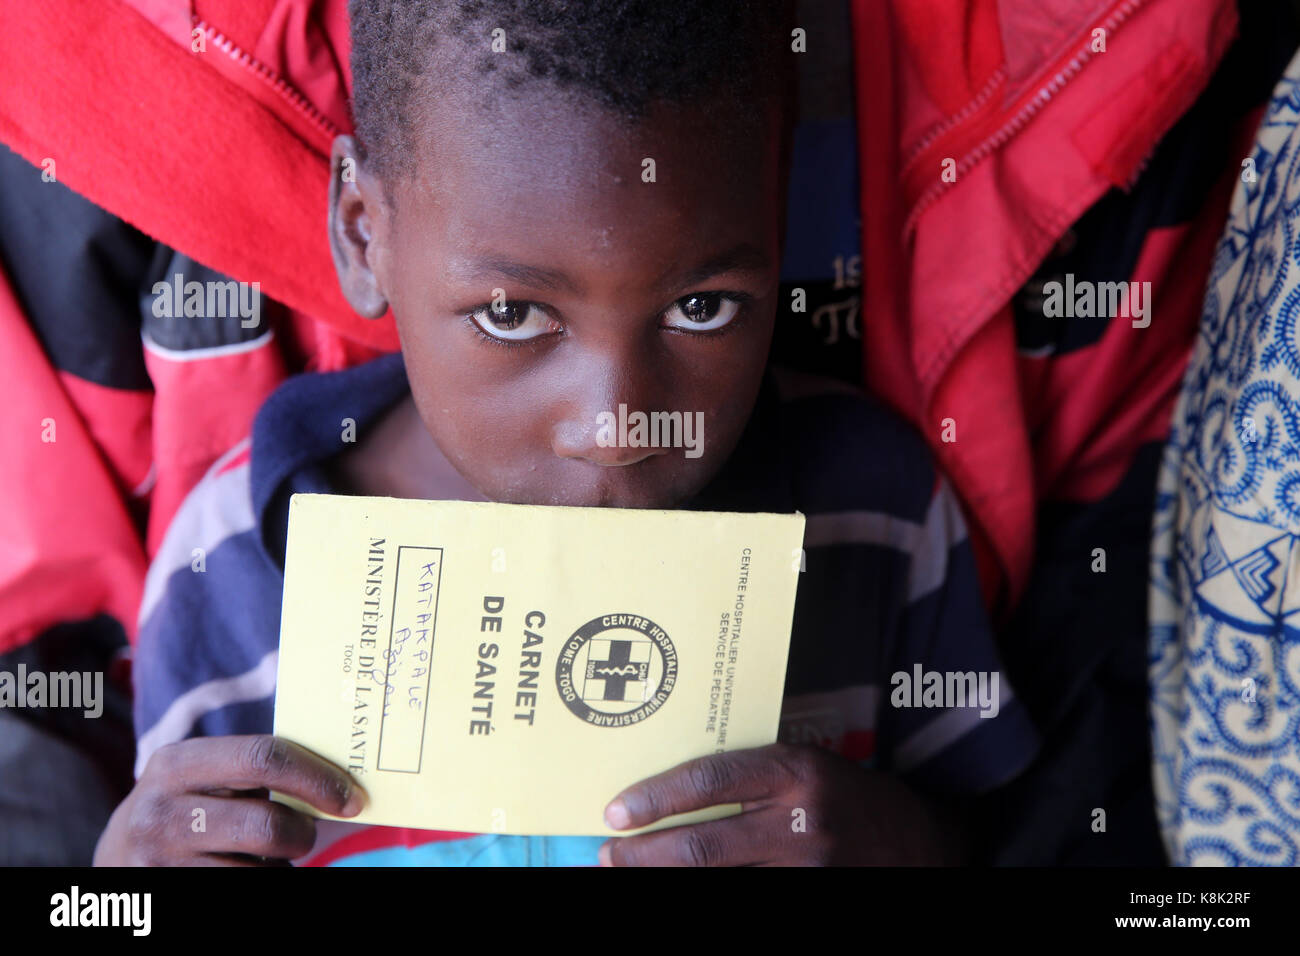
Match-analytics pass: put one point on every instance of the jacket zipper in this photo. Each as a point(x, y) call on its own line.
point(301, 106)
point(1031, 108)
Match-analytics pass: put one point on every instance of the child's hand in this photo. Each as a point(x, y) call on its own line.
point(157, 824)
point(800, 806)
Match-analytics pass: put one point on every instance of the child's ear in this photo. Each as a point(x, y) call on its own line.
point(354, 205)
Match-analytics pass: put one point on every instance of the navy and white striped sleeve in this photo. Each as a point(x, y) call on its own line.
point(205, 660)
point(950, 721)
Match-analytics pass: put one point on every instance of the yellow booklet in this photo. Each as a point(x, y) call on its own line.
point(504, 668)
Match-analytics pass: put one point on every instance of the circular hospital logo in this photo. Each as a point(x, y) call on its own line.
point(616, 670)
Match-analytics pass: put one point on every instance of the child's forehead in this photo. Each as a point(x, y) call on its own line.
point(540, 146)
point(609, 206)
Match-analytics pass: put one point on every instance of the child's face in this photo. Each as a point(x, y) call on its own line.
point(610, 284)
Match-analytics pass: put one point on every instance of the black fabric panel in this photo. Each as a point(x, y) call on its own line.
point(76, 271)
point(1076, 654)
point(223, 324)
point(61, 773)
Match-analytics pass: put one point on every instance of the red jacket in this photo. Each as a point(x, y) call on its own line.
point(1040, 127)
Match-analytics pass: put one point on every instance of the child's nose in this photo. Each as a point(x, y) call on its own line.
point(600, 417)
point(612, 437)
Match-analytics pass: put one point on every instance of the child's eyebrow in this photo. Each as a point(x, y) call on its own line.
point(745, 257)
point(498, 266)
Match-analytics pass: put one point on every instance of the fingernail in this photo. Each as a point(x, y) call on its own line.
point(604, 855)
point(354, 799)
point(616, 815)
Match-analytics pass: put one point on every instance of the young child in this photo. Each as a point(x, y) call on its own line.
point(587, 216)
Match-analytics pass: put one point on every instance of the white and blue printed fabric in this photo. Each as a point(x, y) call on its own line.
point(1225, 586)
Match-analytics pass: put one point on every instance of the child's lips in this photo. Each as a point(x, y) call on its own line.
point(623, 486)
point(645, 480)
point(630, 461)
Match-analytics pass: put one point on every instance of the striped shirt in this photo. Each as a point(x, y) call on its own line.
point(888, 599)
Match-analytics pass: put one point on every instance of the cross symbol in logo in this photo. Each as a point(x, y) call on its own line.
point(617, 670)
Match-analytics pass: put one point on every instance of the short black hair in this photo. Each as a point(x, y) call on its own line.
point(623, 55)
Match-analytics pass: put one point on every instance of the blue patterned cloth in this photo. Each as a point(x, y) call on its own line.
point(1224, 605)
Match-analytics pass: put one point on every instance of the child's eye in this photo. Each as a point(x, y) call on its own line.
point(701, 312)
point(513, 321)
